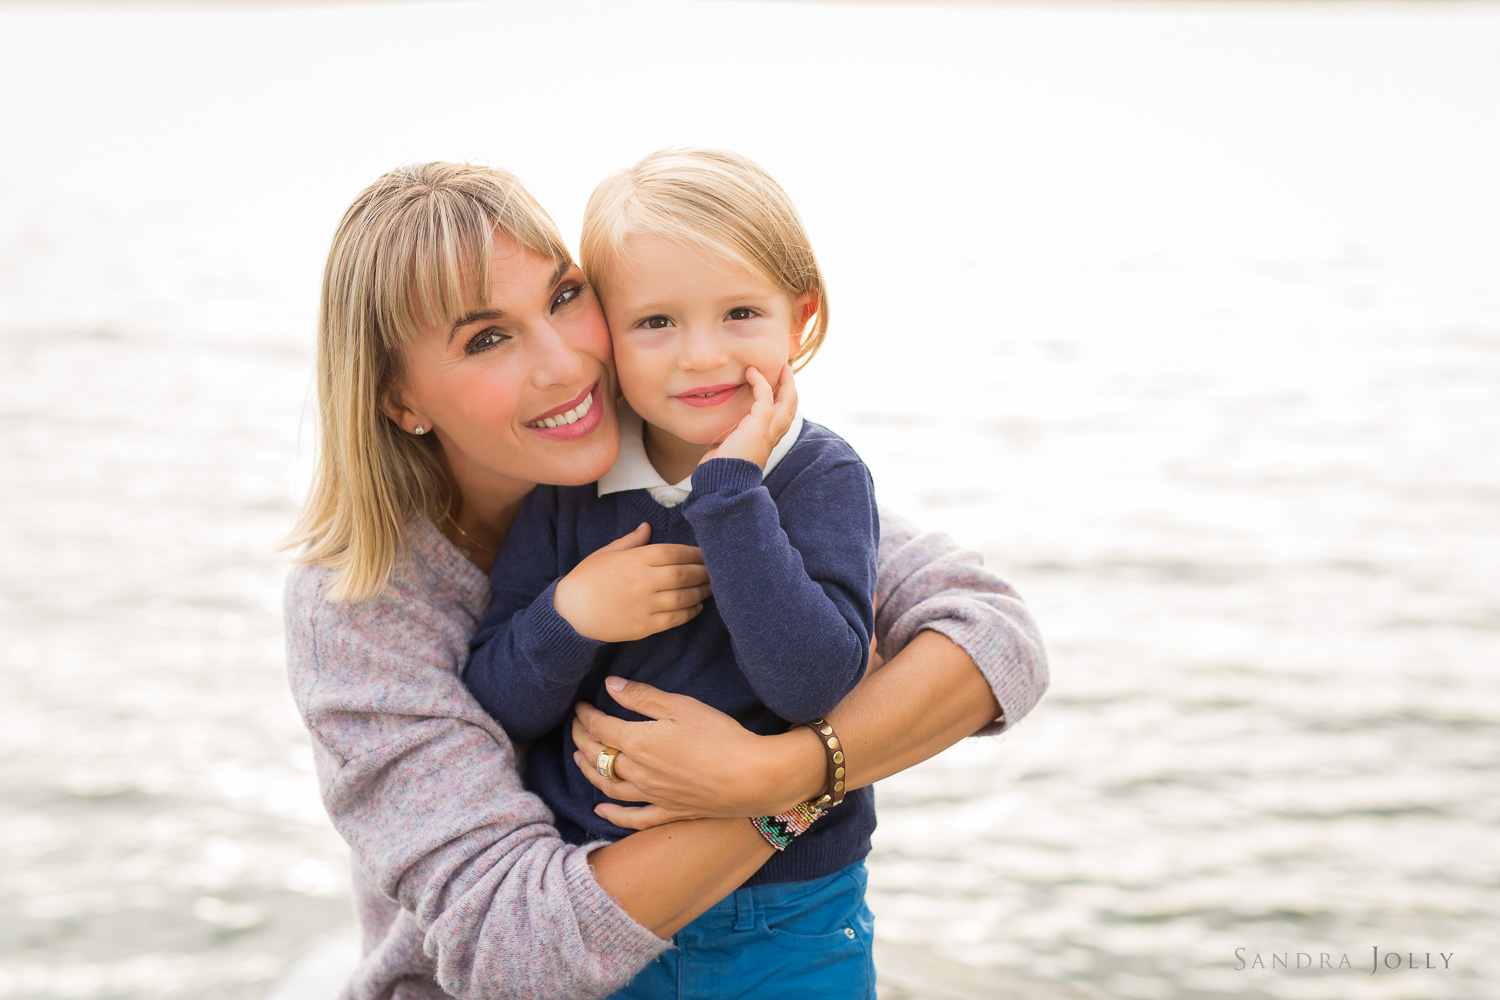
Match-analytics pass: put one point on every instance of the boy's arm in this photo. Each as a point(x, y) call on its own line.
point(794, 577)
point(525, 660)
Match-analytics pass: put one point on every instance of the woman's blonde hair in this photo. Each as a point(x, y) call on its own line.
point(715, 199)
point(413, 249)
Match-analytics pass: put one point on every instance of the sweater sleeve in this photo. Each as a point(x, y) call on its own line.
point(424, 787)
point(793, 577)
point(927, 581)
point(525, 660)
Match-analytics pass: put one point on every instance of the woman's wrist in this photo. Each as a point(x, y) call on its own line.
point(793, 771)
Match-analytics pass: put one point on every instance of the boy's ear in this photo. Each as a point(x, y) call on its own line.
point(804, 307)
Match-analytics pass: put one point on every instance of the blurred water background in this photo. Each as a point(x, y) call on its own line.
point(1187, 315)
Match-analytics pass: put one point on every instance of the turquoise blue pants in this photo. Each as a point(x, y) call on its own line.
point(792, 940)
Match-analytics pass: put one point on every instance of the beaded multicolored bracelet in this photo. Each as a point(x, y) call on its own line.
point(779, 830)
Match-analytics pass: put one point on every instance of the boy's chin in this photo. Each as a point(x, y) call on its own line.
point(704, 434)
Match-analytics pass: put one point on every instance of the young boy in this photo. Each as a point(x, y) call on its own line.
point(710, 288)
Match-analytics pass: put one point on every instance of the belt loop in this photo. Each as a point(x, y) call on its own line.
point(744, 909)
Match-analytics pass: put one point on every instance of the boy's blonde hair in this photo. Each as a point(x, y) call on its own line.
point(714, 199)
point(413, 249)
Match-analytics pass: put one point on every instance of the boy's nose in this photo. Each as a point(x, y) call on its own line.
point(701, 351)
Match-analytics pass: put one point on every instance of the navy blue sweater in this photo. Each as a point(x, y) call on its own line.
point(784, 637)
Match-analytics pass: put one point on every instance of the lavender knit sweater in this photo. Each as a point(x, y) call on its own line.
point(463, 888)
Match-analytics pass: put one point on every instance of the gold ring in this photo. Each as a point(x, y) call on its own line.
point(605, 763)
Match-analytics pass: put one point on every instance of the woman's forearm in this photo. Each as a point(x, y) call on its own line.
point(923, 701)
point(696, 761)
point(666, 876)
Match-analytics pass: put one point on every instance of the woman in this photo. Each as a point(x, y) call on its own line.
point(452, 318)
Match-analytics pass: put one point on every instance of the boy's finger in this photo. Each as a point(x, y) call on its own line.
point(666, 579)
point(672, 554)
point(760, 387)
point(663, 620)
point(677, 577)
point(676, 600)
point(786, 391)
point(639, 536)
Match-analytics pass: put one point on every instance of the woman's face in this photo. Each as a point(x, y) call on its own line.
point(487, 385)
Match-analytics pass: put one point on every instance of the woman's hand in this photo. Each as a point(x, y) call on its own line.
point(629, 590)
point(691, 761)
point(770, 417)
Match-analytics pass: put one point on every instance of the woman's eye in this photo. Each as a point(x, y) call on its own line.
point(567, 295)
point(484, 340)
point(656, 323)
point(742, 313)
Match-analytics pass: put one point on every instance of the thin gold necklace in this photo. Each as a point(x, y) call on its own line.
point(473, 546)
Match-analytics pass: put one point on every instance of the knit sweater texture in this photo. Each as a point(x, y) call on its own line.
point(782, 639)
point(462, 886)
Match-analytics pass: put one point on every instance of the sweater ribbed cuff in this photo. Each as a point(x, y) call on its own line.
point(732, 474)
point(622, 945)
point(552, 635)
point(1010, 677)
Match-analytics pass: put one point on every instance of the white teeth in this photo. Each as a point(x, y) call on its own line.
point(572, 416)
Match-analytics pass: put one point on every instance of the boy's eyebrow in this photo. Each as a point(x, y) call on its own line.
point(482, 314)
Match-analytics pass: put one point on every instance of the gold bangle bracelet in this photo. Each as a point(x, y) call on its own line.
point(833, 790)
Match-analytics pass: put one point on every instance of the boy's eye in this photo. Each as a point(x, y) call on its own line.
point(656, 322)
point(742, 313)
point(484, 340)
point(566, 296)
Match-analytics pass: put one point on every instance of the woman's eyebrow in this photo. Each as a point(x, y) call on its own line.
point(473, 317)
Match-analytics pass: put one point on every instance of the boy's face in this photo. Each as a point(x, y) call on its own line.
point(686, 324)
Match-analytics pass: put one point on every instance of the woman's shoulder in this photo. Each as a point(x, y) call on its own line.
point(432, 594)
point(363, 673)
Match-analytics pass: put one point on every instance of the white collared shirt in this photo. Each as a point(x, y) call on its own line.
point(634, 471)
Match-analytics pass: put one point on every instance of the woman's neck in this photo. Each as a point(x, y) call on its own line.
point(481, 514)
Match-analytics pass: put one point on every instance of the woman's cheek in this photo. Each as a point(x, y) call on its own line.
point(593, 334)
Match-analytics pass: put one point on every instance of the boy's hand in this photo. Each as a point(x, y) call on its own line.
point(629, 590)
point(760, 430)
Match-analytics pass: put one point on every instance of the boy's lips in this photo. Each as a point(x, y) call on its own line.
point(709, 395)
point(573, 419)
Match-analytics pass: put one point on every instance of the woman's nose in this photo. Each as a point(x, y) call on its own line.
point(555, 359)
point(702, 351)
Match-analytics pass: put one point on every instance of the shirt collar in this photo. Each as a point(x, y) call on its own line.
point(634, 471)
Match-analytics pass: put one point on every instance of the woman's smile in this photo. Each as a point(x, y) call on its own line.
point(571, 420)
point(578, 414)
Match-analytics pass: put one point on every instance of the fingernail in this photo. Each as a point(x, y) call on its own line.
point(578, 757)
point(616, 684)
point(598, 810)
